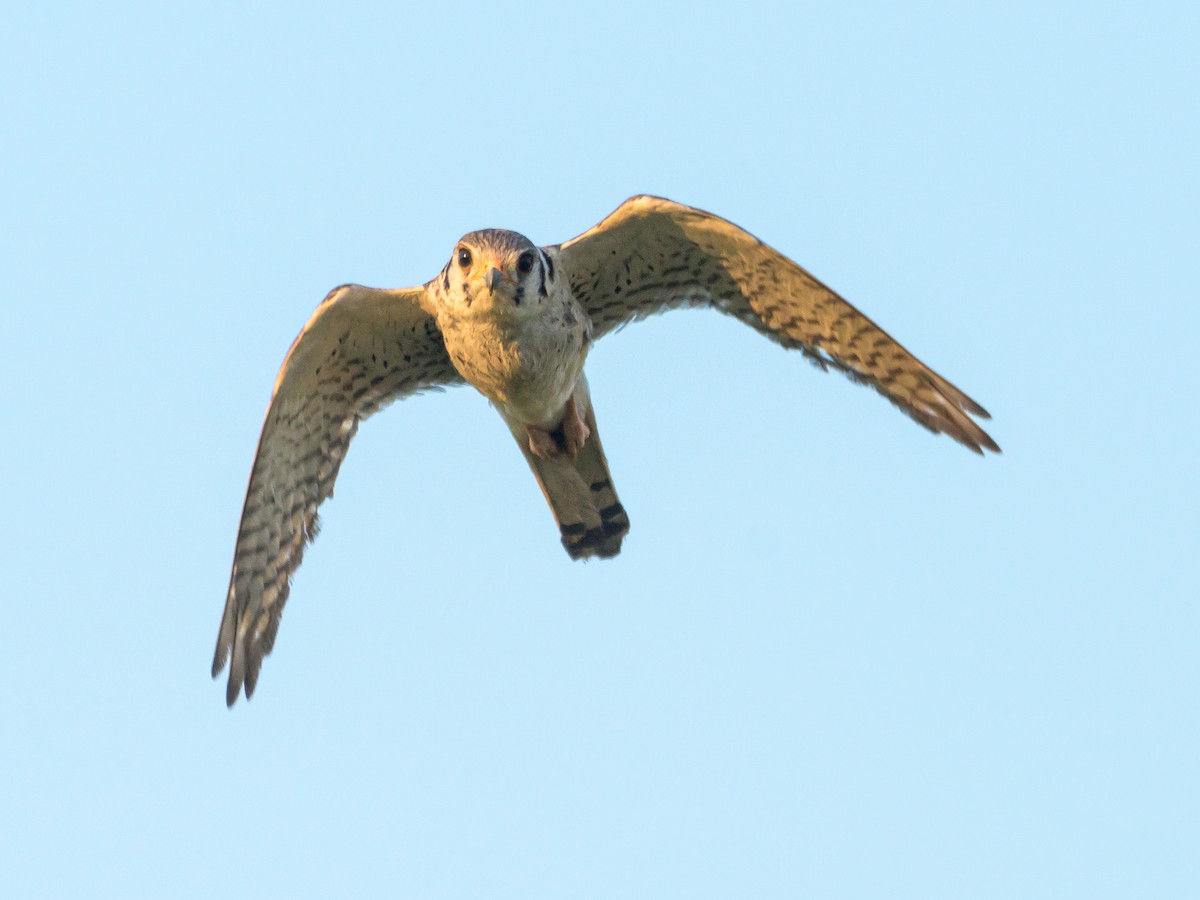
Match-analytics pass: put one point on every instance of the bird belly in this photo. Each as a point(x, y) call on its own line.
point(540, 388)
point(540, 399)
point(528, 375)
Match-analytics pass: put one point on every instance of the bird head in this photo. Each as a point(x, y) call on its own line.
point(494, 272)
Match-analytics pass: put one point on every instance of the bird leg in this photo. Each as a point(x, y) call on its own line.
point(542, 443)
point(569, 437)
point(574, 430)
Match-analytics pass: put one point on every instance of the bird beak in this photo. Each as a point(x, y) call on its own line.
point(494, 276)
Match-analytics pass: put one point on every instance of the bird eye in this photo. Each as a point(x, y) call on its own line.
point(525, 262)
point(464, 257)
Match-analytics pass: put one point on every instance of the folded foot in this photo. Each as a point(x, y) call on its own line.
point(569, 437)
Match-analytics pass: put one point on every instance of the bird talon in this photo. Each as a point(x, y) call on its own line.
point(569, 437)
point(542, 443)
point(574, 430)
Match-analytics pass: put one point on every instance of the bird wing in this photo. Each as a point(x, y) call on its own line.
point(652, 255)
point(361, 349)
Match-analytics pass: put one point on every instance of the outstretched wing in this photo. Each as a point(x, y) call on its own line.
point(360, 350)
point(652, 255)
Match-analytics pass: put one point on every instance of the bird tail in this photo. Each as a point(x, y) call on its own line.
point(580, 491)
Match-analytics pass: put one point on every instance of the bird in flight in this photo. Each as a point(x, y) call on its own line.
point(515, 321)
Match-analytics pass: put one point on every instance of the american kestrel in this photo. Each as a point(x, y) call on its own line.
point(515, 321)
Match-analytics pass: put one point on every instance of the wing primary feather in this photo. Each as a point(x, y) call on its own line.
point(651, 255)
point(362, 349)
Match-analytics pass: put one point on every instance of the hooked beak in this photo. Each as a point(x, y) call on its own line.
point(494, 276)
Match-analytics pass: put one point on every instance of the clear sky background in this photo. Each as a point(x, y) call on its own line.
point(838, 657)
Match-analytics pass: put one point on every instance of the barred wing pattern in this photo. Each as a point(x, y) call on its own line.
point(651, 255)
point(361, 349)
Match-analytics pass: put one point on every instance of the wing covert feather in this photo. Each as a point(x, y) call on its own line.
point(361, 349)
point(652, 254)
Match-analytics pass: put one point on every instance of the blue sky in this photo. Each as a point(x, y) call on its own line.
point(838, 657)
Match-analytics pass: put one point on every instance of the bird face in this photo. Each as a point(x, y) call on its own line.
point(494, 272)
